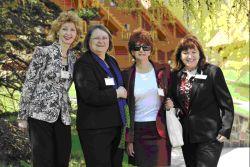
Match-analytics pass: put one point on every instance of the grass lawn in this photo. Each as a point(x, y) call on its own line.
point(238, 85)
point(239, 93)
point(76, 151)
point(72, 92)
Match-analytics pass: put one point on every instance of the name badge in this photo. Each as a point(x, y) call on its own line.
point(65, 74)
point(200, 76)
point(109, 81)
point(160, 92)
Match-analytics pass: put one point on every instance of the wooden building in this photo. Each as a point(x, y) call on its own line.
point(166, 30)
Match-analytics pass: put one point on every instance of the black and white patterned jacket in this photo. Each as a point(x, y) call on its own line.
point(45, 93)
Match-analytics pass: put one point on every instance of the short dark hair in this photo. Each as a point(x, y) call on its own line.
point(142, 36)
point(188, 42)
point(89, 33)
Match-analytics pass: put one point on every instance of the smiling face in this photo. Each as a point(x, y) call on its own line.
point(190, 58)
point(141, 52)
point(99, 42)
point(67, 33)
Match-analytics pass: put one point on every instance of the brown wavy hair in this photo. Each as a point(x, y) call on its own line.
point(66, 17)
point(140, 36)
point(188, 42)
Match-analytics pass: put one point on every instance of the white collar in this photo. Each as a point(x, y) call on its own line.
point(190, 73)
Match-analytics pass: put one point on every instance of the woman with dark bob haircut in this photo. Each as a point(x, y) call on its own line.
point(147, 84)
point(101, 100)
point(204, 104)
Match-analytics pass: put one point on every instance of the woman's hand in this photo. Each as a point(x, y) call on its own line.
point(130, 149)
point(121, 92)
point(169, 104)
point(221, 138)
point(22, 124)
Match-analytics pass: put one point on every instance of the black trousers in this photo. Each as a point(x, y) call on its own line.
point(205, 154)
point(100, 147)
point(50, 143)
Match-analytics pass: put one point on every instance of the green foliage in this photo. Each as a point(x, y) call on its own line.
point(89, 13)
point(9, 100)
point(23, 25)
point(205, 18)
point(24, 164)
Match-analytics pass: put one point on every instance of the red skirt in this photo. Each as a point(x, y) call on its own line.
point(150, 149)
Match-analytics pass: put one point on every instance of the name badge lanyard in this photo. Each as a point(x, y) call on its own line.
point(121, 102)
point(65, 67)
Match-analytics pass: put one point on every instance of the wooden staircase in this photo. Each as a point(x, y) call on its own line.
point(122, 22)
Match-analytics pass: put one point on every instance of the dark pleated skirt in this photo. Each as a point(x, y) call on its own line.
point(150, 149)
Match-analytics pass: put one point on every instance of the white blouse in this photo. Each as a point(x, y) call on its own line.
point(147, 100)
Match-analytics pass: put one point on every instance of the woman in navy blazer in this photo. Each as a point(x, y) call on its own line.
point(205, 105)
point(101, 100)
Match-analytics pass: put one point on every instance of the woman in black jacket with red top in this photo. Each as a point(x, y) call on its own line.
point(147, 84)
point(200, 93)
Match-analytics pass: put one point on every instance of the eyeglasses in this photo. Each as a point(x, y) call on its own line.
point(144, 47)
point(100, 38)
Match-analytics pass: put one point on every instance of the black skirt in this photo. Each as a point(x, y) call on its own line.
point(150, 149)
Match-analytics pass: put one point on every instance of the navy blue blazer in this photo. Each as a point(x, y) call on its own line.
point(97, 102)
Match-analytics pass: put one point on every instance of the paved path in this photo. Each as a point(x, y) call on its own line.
point(230, 157)
point(237, 157)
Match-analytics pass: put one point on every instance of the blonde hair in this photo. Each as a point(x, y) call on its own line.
point(66, 17)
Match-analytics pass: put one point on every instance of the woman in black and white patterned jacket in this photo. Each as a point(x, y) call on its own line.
point(45, 105)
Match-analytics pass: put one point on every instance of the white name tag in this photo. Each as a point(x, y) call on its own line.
point(160, 92)
point(200, 76)
point(109, 81)
point(65, 74)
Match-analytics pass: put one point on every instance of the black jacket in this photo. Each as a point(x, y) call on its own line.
point(211, 106)
point(97, 103)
